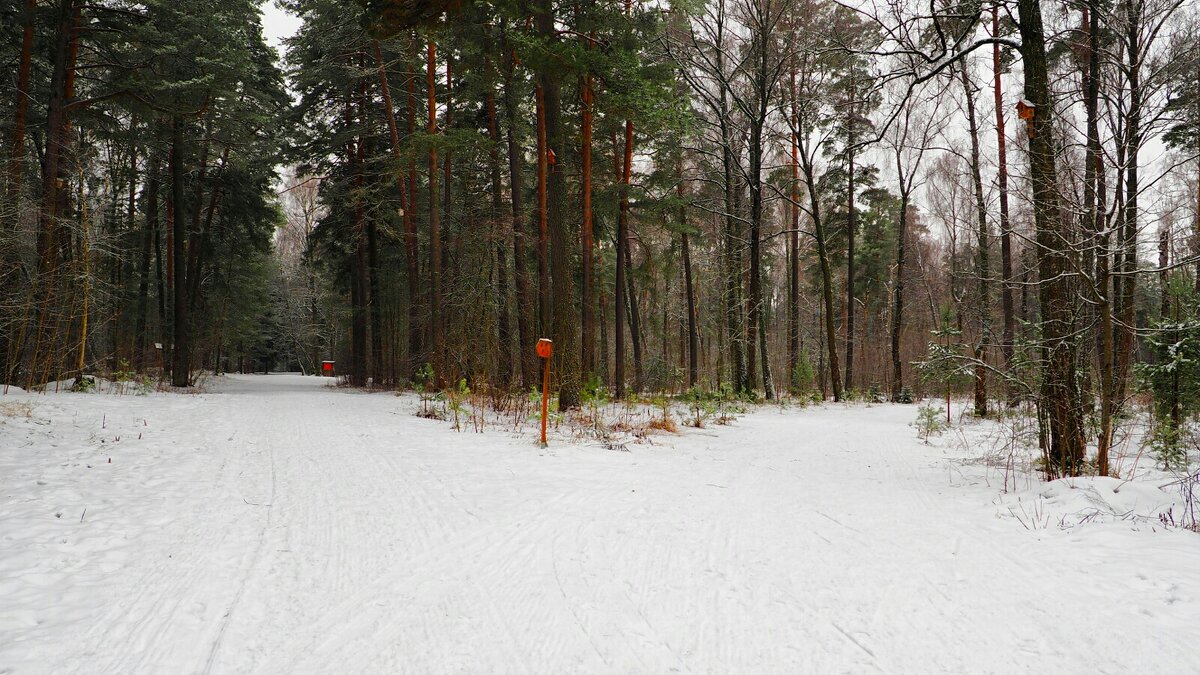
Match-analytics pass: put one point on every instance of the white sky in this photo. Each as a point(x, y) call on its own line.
point(277, 24)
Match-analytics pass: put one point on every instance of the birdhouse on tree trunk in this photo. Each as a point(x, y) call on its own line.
point(1026, 110)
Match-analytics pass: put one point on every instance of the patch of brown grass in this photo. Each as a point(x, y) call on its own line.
point(664, 424)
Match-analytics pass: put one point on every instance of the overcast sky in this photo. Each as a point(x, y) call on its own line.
point(277, 24)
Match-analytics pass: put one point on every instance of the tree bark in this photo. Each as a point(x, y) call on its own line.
point(525, 295)
point(1007, 308)
point(830, 342)
point(435, 226)
point(181, 349)
point(405, 208)
point(588, 300)
point(850, 235)
point(1056, 294)
point(543, 212)
point(148, 236)
point(499, 226)
point(1127, 337)
point(16, 155)
point(898, 294)
point(1093, 197)
point(794, 252)
point(412, 247)
point(756, 318)
point(564, 327)
point(693, 359)
point(54, 173)
point(623, 160)
point(982, 262)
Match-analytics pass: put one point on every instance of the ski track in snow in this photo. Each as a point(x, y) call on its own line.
point(277, 525)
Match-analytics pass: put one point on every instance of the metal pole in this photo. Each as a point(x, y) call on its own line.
point(545, 397)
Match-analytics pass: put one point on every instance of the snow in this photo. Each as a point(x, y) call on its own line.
point(274, 524)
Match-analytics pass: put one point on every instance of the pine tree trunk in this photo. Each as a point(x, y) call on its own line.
point(447, 166)
point(16, 155)
point(375, 368)
point(563, 322)
point(435, 227)
point(405, 207)
point(181, 349)
point(588, 300)
point(525, 296)
point(622, 241)
point(543, 212)
point(1006, 269)
point(507, 349)
point(148, 236)
point(412, 247)
point(850, 236)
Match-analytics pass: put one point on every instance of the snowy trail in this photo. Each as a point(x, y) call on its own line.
point(281, 526)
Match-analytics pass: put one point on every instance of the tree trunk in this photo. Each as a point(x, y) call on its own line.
point(623, 161)
point(757, 310)
point(148, 237)
point(588, 300)
point(830, 338)
point(447, 167)
point(16, 156)
point(565, 330)
point(898, 295)
point(1093, 197)
point(499, 227)
point(635, 321)
point(794, 253)
point(850, 235)
point(543, 212)
point(181, 349)
point(54, 172)
point(412, 247)
point(405, 207)
point(435, 226)
point(693, 344)
point(1057, 297)
point(982, 263)
point(525, 295)
point(1006, 270)
point(359, 296)
point(1127, 344)
point(375, 368)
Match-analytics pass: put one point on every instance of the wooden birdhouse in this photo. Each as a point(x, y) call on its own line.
point(1026, 110)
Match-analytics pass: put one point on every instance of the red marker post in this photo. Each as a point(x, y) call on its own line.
point(545, 347)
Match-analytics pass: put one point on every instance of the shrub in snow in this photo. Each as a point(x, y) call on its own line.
point(1173, 377)
point(929, 422)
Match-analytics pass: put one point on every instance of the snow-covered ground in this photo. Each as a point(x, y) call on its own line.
point(276, 525)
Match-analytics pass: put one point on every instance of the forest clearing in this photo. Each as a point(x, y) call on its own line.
point(599, 336)
point(272, 524)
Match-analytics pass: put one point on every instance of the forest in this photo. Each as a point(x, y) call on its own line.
point(755, 199)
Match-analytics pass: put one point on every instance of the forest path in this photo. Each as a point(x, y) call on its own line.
point(280, 525)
